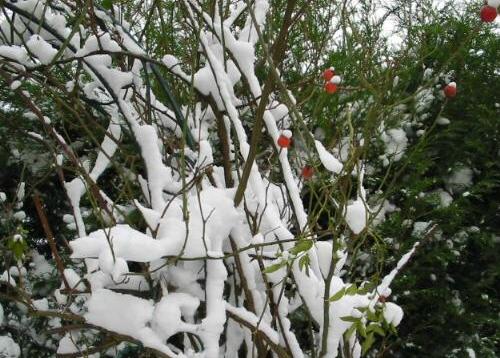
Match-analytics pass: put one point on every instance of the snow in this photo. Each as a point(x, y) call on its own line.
point(249, 33)
point(106, 309)
point(319, 134)
point(470, 352)
point(68, 219)
point(395, 81)
point(41, 267)
point(328, 160)
point(395, 141)
point(216, 210)
point(387, 280)
point(287, 133)
point(35, 135)
point(324, 249)
point(419, 228)
point(159, 177)
point(6, 277)
point(355, 216)
point(21, 190)
point(205, 157)
point(75, 189)
point(15, 85)
point(129, 44)
point(93, 44)
point(254, 321)
point(459, 179)
point(170, 61)
point(19, 215)
point(393, 314)
point(73, 279)
point(15, 53)
point(41, 304)
point(442, 121)
point(67, 345)
point(385, 207)
point(41, 49)
point(119, 270)
point(169, 311)
point(126, 242)
point(9, 348)
point(341, 308)
point(428, 73)
point(108, 148)
point(114, 78)
point(444, 197)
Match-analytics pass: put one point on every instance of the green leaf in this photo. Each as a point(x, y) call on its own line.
point(372, 316)
point(373, 327)
point(274, 267)
point(18, 247)
point(349, 319)
point(304, 263)
point(367, 344)
point(107, 4)
point(349, 332)
point(361, 328)
point(368, 287)
point(302, 245)
point(337, 296)
point(352, 290)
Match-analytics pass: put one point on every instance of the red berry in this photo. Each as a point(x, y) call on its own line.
point(330, 87)
point(488, 13)
point(307, 172)
point(328, 74)
point(450, 91)
point(284, 141)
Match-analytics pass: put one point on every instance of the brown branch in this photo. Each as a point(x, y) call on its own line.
point(280, 351)
point(50, 238)
point(108, 343)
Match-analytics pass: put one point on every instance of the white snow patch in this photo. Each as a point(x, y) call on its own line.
point(355, 216)
point(41, 49)
point(9, 348)
point(393, 313)
point(470, 351)
point(459, 180)
point(327, 159)
point(442, 121)
point(395, 143)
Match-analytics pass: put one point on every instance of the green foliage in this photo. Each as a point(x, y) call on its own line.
point(452, 286)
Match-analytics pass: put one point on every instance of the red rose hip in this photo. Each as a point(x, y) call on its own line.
point(330, 87)
point(488, 13)
point(284, 141)
point(450, 90)
point(307, 172)
point(328, 74)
